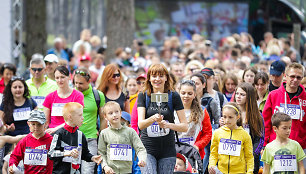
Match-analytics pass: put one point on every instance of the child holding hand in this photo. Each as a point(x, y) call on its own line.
point(231, 145)
point(69, 144)
point(116, 143)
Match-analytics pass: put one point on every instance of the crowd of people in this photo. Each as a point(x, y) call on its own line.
point(182, 108)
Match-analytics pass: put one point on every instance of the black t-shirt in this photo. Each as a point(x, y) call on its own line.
point(272, 87)
point(21, 125)
point(121, 100)
point(298, 92)
point(164, 146)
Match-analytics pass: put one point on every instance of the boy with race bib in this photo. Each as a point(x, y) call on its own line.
point(34, 147)
point(116, 143)
point(69, 144)
point(283, 154)
point(231, 145)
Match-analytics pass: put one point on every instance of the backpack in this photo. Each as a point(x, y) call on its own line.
point(221, 99)
point(98, 101)
point(205, 101)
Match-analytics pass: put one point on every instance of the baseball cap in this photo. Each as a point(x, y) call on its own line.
point(277, 68)
point(207, 71)
point(37, 115)
point(51, 58)
point(141, 76)
point(85, 57)
point(126, 116)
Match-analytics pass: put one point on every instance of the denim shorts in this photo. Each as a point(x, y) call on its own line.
point(162, 166)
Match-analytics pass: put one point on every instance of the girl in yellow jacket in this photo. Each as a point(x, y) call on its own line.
point(231, 145)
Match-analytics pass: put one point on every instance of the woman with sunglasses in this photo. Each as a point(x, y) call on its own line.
point(110, 85)
point(16, 107)
point(55, 101)
point(156, 120)
point(7, 71)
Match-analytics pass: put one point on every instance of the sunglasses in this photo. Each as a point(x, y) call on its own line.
point(140, 83)
point(16, 78)
point(116, 75)
point(292, 77)
point(36, 69)
point(82, 73)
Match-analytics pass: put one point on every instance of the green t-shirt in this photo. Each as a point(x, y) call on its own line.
point(273, 149)
point(40, 94)
point(89, 127)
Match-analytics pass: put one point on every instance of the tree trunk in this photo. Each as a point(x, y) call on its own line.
point(120, 26)
point(35, 28)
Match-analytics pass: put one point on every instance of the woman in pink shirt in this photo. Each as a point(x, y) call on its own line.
point(56, 100)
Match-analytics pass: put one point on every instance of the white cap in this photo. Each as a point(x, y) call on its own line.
point(51, 58)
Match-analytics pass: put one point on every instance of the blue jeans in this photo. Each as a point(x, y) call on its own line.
point(206, 156)
point(162, 166)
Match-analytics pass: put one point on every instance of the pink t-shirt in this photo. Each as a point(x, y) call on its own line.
point(56, 104)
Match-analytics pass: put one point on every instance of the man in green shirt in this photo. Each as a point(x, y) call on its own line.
point(82, 81)
point(39, 85)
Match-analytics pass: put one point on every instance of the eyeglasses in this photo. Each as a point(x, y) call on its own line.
point(36, 69)
point(292, 77)
point(16, 78)
point(190, 82)
point(140, 82)
point(116, 75)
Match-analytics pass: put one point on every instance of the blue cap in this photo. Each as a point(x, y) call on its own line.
point(277, 68)
point(126, 116)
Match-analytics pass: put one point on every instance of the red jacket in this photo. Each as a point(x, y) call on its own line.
point(205, 134)
point(29, 142)
point(298, 128)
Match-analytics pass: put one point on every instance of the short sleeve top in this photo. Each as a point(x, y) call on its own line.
point(56, 104)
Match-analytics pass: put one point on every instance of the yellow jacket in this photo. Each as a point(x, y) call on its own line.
point(232, 164)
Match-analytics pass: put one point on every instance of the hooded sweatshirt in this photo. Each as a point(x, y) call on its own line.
point(274, 100)
point(30, 142)
point(228, 163)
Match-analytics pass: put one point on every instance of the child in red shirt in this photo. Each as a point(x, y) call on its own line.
point(33, 149)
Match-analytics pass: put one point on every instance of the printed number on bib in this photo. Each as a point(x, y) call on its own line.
point(21, 114)
point(155, 131)
point(57, 109)
point(293, 110)
point(39, 100)
point(36, 157)
point(188, 140)
point(121, 152)
point(284, 163)
point(229, 147)
point(70, 159)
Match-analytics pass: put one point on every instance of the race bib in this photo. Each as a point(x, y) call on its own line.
point(57, 109)
point(284, 163)
point(39, 100)
point(70, 159)
point(246, 127)
point(1, 97)
point(188, 140)
point(21, 114)
point(36, 157)
point(121, 152)
point(229, 147)
point(294, 111)
point(155, 131)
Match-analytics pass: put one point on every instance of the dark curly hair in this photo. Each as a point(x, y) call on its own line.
point(8, 98)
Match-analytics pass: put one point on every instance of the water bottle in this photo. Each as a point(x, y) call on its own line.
point(75, 161)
